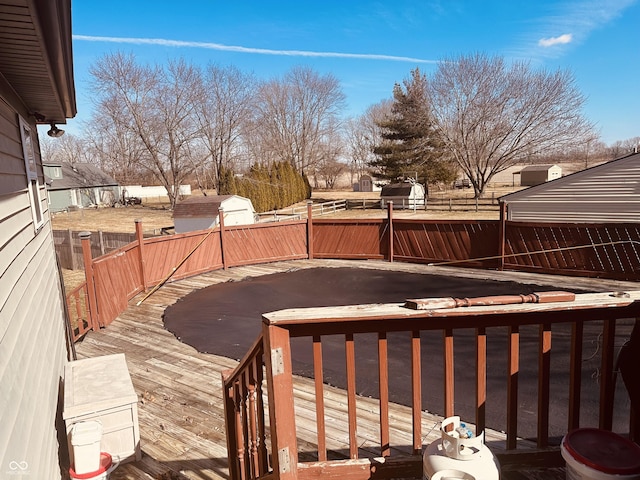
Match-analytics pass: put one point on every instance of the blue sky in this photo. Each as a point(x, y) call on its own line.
point(370, 45)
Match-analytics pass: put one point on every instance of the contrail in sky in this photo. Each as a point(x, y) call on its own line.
point(232, 48)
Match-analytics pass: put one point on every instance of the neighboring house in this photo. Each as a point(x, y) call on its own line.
point(609, 192)
point(202, 213)
point(79, 185)
point(537, 174)
point(36, 87)
point(404, 195)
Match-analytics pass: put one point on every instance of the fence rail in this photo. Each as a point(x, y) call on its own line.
point(604, 250)
point(301, 212)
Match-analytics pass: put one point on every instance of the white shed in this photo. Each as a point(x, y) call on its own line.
point(202, 213)
point(537, 174)
point(366, 183)
point(404, 195)
point(609, 192)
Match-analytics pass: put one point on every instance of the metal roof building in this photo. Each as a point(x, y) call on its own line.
point(606, 193)
point(537, 174)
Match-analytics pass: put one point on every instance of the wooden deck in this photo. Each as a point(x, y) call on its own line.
point(180, 406)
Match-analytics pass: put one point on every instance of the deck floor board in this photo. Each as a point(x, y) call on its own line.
point(181, 414)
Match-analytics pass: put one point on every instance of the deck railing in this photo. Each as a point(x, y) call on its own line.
point(601, 250)
point(255, 452)
point(78, 311)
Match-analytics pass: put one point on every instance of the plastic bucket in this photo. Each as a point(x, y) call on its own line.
point(106, 466)
point(593, 454)
point(85, 440)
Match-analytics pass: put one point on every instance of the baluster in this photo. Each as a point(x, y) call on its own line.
point(383, 382)
point(544, 374)
point(253, 434)
point(258, 373)
point(575, 375)
point(512, 386)
point(351, 394)
point(481, 378)
point(319, 389)
point(606, 378)
point(416, 391)
point(448, 373)
point(240, 441)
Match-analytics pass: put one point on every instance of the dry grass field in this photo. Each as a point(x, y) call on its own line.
point(122, 219)
point(157, 215)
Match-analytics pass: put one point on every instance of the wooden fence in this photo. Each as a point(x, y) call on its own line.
point(69, 248)
point(602, 250)
point(434, 203)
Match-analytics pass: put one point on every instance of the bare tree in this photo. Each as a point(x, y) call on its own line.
point(293, 116)
point(329, 166)
point(363, 134)
point(491, 115)
point(624, 147)
point(223, 110)
point(68, 148)
point(117, 149)
point(157, 105)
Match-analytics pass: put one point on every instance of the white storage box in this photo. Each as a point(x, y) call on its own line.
point(100, 389)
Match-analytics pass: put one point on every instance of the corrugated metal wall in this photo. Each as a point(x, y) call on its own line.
point(605, 193)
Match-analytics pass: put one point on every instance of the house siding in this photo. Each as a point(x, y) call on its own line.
point(606, 193)
point(32, 342)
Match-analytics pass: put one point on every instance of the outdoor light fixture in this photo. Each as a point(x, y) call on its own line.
point(54, 131)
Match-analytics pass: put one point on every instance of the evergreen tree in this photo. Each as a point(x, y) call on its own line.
point(269, 188)
point(410, 144)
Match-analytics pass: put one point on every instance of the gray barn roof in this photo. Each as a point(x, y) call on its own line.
point(538, 168)
point(402, 189)
point(80, 175)
point(198, 207)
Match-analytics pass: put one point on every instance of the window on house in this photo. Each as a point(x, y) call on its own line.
point(33, 184)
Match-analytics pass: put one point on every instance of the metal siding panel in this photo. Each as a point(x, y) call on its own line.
point(32, 355)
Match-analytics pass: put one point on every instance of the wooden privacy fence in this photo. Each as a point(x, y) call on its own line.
point(262, 436)
point(69, 248)
point(600, 250)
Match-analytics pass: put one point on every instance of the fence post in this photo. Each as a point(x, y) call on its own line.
point(72, 255)
point(221, 221)
point(101, 239)
point(390, 221)
point(309, 230)
point(502, 234)
point(140, 240)
point(85, 238)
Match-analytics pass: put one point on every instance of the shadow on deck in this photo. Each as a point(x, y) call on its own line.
point(181, 409)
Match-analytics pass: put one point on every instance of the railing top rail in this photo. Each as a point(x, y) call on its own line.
point(228, 376)
point(82, 286)
point(397, 316)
